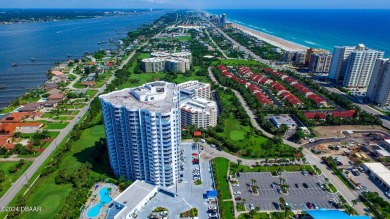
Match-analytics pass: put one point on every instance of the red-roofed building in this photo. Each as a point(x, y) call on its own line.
point(290, 80)
point(222, 67)
point(304, 90)
point(263, 99)
point(317, 99)
point(252, 88)
point(8, 146)
point(197, 134)
point(343, 114)
point(314, 115)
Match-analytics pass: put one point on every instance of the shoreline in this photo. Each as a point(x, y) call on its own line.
point(271, 39)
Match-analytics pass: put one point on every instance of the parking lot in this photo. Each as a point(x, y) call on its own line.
point(297, 198)
point(189, 195)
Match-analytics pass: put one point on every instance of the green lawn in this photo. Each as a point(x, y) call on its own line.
point(241, 136)
point(56, 125)
point(11, 178)
point(258, 215)
point(226, 209)
point(184, 38)
point(50, 196)
point(242, 168)
point(220, 168)
point(91, 93)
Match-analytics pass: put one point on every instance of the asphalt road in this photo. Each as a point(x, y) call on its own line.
point(22, 181)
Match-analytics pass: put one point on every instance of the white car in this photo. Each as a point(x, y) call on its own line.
point(387, 194)
point(237, 193)
point(251, 206)
point(212, 207)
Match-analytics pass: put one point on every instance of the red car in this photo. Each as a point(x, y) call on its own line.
point(309, 205)
point(237, 198)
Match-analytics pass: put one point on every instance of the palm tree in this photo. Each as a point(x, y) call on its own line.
point(239, 162)
point(252, 213)
point(253, 182)
point(354, 202)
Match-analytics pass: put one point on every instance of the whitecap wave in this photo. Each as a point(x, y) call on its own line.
point(309, 42)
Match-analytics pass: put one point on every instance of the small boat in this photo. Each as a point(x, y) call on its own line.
point(68, 55)
point(14, 64)
point(99, 42)
point(33, 59)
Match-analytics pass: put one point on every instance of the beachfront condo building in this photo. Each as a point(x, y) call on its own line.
point(311, 51)
point(296, 57)
point(353, 66)
point(379, 87)
point(172, 62)
point(200, 112)
point(223, 21)
point(192, 89)
point(143, 131)
point(320, 63)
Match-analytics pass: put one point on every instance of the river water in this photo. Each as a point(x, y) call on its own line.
point(51, 42)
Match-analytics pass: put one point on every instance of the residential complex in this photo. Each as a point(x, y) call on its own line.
point(191, 89)
point(297, 57)
point(379, 87)
point(320, 63)
point(311, 51)
point(199, 112)
point(143, 132)
point(353, 65)
point(172, 62)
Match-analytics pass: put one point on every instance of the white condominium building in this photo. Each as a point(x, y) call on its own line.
point(183, 55)
point(143, 131)
point(379, 87)
point(171, 64)
point(199, 112)
point(354, 66)
point(360, 65)
point(340, 54)
point(191, 89)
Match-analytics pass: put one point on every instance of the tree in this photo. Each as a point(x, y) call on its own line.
point(354, 202)
point(252, 213)
point(239, 162)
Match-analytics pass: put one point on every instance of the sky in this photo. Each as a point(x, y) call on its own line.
point(201, 4)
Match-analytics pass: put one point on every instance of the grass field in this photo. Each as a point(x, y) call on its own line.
point(11, 177)
point(50, 196)
point(226, 210)
point(220, 169)
point(56, 125)
point(241, 136)
point(184, 38)
point(258, 215)
point(242, 168)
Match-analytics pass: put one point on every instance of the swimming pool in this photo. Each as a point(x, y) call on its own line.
point(105, 198)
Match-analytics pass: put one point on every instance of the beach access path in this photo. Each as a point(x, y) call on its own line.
point(23, 180)
point(349, 195)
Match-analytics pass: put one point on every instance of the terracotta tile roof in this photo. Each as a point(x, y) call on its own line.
point(56, 73)
point(343, 114)
point(56, 97)
point(197, 134)
point(314, 115)
point(9, 146)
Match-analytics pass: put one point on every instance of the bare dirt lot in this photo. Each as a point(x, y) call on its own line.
point(331, 131)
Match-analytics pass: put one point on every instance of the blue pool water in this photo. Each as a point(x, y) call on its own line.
point(104, 199)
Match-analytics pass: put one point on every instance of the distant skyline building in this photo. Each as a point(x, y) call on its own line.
point(379, 87)
point(143, 131)
point(353, 65)
point(320, 63)
point(223, 20)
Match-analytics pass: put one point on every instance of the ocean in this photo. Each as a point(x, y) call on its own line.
point(51, 42)
point(319, 28)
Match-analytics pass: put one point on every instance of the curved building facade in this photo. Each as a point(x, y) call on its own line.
point(143, 132)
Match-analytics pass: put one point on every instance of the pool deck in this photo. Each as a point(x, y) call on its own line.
point(95, 198)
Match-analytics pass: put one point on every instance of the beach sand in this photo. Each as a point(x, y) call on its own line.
point(273, 40)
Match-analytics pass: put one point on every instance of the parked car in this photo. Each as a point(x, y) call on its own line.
point(212, 207)
point(251, 206)
point(273, 185)
point(237, 193)
point(309, 205)
point(335, 205)
point(237, 198)
point(212, 211)
point(305, 185)
point(387, 194)
point(279, 190)
point(315, 205)
point(296, 185)
point(213, 215)
point(304, 173)
point(276, 205)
